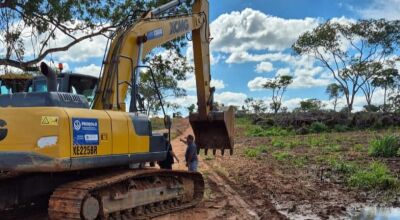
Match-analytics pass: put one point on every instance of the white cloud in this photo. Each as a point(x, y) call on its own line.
point(302, 78)
point(292, 103)
point(310, 77)
point(226, 98)
point(389, 9)
point(264, 67)
point(230, 98)
point(82, 51)
point(283, 72)
point(253, 30)
point(218, 84)
point(257, 83)
point(184, 101)
point(91, 48)
point(213, 59)
point(190, 83)
point(92, 70)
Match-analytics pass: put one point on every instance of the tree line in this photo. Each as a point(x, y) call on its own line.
point(361, 57)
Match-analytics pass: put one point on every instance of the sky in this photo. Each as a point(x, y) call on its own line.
point(252, 42)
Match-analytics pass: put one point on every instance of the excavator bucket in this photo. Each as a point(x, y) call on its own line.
point(216, 132)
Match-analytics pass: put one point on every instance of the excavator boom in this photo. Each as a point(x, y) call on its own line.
point(213, 129)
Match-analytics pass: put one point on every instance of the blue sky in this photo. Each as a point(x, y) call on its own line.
point(251, 43)
point(236, 75)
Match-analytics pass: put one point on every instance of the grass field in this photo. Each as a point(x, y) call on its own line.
point(321, 173)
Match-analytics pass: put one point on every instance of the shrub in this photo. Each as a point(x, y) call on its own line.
point(279, 143)
point(359, 148)
point(255, 152)
point(339, 165)
point(341, 128)
point(302, 131)
point(318, 127)
point(386, 146)
point(281, 156)
point(258, 131)
point(376, 176)
point(251, 152)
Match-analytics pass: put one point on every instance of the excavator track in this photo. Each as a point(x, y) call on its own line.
point(127, 194)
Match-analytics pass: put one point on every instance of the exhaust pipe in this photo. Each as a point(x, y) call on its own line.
point(50, 76)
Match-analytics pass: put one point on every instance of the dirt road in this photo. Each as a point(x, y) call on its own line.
point(221, 201)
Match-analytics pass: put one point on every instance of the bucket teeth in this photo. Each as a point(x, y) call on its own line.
point(206, 151)
point(214, 152)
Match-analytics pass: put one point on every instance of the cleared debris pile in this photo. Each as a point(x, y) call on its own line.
point(332, 120)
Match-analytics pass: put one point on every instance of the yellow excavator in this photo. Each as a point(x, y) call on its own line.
point(87, 159)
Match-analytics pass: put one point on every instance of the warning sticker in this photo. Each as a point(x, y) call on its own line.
point(49, 120)
point(85, 131)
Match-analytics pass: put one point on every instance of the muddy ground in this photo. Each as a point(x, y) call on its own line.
point(280, 182)
point(291, 178)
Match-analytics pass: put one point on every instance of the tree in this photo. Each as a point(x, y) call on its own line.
point(335, 92)
point(257, 106)
point(310, 105)
point(38, 24)
point(248, 102)
point(278, 85)
point(370, 72)
point(167, 69)
point(191, 108)
point(349, 50)
point(395, 103)
point(386, 79)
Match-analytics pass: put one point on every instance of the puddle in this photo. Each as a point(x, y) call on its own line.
point(378, 213)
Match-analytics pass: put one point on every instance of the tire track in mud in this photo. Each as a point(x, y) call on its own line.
point(229, 205)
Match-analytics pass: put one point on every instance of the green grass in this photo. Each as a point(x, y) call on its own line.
point(359, 148)
point(300, 161)
point(281, 156)
point(243, 122)
point(376, 176)
point(317, 142)
point(342, 166)
point(386, 146)
point(332, 148)
point(255, 152)
point(258, 131)
point(279, 143)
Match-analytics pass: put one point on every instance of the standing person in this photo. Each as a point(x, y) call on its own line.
point(191, 154)
point(167, 163)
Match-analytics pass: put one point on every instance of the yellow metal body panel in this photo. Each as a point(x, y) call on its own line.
point(104, 124)
point(120, 136)
point(25, 128)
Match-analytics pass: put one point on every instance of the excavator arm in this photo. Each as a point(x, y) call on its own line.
point(213, 130)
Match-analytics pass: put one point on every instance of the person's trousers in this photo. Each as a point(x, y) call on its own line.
point(193, 166)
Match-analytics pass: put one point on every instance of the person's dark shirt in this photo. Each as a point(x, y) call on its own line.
point(191, 150)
